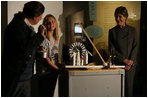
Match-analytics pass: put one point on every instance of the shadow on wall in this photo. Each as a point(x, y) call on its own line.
point(61, 22)
point(61, 36)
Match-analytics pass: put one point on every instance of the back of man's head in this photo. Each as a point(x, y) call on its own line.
point(33, 9)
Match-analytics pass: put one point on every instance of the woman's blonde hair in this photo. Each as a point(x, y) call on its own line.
point(45, 23)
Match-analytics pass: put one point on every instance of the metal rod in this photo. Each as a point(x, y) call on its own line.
point(92, 44)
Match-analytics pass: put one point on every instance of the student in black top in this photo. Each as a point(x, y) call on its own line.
point(20, 43)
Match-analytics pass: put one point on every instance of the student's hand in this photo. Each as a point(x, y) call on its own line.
point(43, 49)
point(42, 29)
point(61, 67)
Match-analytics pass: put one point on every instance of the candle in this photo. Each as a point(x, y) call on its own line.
point(74, 58)
point(82, 61)
point(86, 60)
point(78, 58)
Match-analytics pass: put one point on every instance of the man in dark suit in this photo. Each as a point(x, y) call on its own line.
point(20, 44)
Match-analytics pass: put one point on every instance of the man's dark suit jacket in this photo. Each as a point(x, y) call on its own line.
point(20, 42)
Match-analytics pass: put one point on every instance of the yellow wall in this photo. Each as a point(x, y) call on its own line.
point(105, 18)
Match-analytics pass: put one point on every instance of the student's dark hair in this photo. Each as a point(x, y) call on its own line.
point(33, 9)
point(121, 10)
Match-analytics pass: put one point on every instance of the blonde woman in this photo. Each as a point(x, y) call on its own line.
point(48, 67)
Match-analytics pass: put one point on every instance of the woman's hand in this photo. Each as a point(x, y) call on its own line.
point(128, 67)
point(129, 64)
